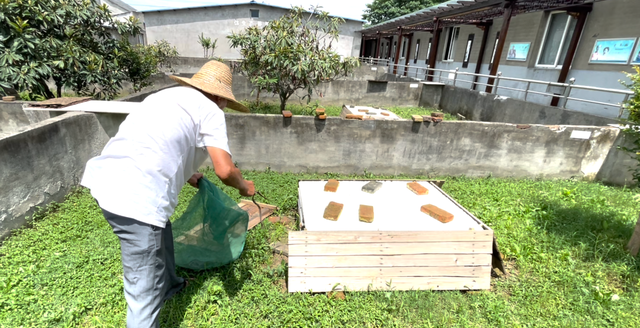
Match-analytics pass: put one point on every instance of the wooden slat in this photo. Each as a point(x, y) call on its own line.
point(325, 284)
point(472, 247)
point(345, 237)
point(427, 260)
point(454, 271)
point(254, 213)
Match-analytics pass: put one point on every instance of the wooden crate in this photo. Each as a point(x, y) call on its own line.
point(325, 261)
point(322, 261)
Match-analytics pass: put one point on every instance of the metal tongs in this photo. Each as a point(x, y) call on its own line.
point(253, 199)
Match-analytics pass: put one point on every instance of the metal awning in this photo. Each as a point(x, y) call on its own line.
point(458, 12)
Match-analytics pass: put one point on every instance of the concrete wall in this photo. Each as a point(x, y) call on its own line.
point(305, 144)
point(42, 164)
point(181, 27)
point(14, 119)
point(480, 106)
point(342, 92)
point(618, 165)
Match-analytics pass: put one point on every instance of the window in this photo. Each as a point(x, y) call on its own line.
point(404, 46)
point(467, 51)
point(495, 47)
point(393, 52)
point(415, 58)
point(426, 61)
point(450, 45)
point(556, 40)
point(255, 13)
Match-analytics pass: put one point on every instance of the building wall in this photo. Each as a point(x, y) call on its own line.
point(608, 19)
point(181, 28)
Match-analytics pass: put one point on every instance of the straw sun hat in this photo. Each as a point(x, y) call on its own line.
point(213, 78)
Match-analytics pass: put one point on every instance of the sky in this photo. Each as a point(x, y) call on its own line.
point(344, 8)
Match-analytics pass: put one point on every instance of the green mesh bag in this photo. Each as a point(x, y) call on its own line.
point(211, 232)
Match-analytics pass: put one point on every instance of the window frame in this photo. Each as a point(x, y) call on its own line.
point(251, 11)
point(562, 41)
point(415, 59)
point(450, 45)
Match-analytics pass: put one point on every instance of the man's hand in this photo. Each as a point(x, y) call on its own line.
point(249, 189)
point(193, 181)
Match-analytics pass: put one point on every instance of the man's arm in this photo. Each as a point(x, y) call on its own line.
point(229, 173)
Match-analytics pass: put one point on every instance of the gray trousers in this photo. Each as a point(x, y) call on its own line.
point(149, 268)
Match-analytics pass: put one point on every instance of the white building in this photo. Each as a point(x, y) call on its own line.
point(181, 27)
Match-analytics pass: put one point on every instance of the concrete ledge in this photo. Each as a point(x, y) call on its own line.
point(486, 107)
point(306, 144)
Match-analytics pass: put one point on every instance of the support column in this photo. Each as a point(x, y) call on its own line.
point(571, 51)
point(483, 46)
point(362, 47)
point(378, 42)
point(434, 47)
point(509, 6)
point(406, 62)
point(395, 66)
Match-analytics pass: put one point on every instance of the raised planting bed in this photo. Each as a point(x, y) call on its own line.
point(403, 248)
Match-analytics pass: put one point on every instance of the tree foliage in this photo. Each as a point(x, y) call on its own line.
point(141, 62)
point(632, 131)
point(292, 53)
point(75, 43)
point(383, 10)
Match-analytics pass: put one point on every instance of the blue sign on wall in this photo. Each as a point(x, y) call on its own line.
point(612, 51)
point(518, 51)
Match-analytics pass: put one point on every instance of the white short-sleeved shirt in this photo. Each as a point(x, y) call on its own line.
point(156, 150)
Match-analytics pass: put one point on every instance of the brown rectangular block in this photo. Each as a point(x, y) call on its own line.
point(332, 185)
point(416, 118)
point(287, 113)
point(354, 117)
point(363, 110)
point(384, 113)
point(322, 117)
point(437, 213)
point(366, 213)
point(332, 211)
point(320, 111)
point(436, 114)
point(417, 188)
point(8, 98)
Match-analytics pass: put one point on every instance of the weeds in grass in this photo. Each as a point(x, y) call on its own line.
point(563, 240)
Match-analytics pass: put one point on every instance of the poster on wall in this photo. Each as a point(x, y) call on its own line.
point(612, 51)
point(635, 59)
point(518, 51)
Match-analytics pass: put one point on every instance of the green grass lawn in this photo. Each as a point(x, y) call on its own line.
point(297, 109)
point(563, 241)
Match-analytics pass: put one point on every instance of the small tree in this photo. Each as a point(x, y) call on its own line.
point(207, 44)
point(292, 53)
point(632, 131)
point(140, 62)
